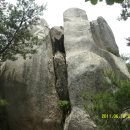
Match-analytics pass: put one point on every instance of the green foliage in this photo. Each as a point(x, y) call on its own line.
point(113, 101)
point(64, 104)
point(125, 14)
point(109, 2)
point(3, 103)
point(15, 24)
point(128, 66)
point(94, 2)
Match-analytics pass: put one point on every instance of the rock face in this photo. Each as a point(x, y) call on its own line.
point(103, 36)
point(29, 87)
point(78, 120)
point(69, 62)
point(85, 59)
point(57, 36)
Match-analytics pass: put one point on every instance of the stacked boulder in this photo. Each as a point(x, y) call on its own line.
point(69, 62)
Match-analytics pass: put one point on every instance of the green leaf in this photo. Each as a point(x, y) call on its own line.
point(94, 2)
point(64, 104)
point(110, 2)
point(119, 1)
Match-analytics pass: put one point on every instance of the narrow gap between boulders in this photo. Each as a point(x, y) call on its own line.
point(61, 76)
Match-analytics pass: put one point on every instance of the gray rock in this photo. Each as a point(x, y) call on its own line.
point(74, 13)
point(77, 31)
point(29, 87)
point(57, 33)
point(86, 60)
point(79, 120)
point(57, 37)
point(61, 76)
point(41, 29)
point(103, 36)
point(69, 63)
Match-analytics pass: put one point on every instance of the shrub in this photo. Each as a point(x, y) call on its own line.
point(107, 108)
point(64, 104)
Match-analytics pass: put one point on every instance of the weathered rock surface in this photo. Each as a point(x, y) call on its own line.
point(57, 36)
point(86, 59)
point(103, 36)
point(29, 87)
point(69, 63)
point(78, 120)
point(41, 29)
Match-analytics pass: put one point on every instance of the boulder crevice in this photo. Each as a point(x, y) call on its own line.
point(60, 68)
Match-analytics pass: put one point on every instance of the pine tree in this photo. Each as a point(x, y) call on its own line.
point(15, 23)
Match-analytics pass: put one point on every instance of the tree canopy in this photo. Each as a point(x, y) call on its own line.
point(15, 23)
point(125, 13)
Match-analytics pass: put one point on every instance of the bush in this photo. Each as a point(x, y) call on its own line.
point(110, 109)
point(64, 104)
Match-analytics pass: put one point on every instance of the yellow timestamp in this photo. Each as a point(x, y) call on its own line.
point(115, 116)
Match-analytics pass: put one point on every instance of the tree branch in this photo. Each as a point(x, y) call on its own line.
point(10, 42)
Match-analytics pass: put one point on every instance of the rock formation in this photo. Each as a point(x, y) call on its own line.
point(69, 62)
point(103, 36)
point(29, 87)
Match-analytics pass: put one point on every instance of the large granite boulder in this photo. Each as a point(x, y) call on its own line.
point(70, 62)
point(86, 59)
point(78, 120)
point(29, 87)
point(103, 35)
